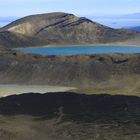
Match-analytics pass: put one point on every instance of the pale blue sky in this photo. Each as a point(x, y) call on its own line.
point(79, 7)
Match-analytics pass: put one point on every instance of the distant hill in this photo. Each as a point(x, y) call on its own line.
point(118, 21)
point(59, 28)
point(131, 16)
point(136, 28)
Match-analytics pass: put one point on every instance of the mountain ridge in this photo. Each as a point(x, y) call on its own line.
point(60, 28)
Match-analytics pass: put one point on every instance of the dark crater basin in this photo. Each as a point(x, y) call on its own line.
point(71, 106)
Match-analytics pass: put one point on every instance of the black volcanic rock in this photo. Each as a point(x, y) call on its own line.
point(69, 116)
point(60, 28)
point(78, 107)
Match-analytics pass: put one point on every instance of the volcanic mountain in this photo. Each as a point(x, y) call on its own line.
point(59, 28)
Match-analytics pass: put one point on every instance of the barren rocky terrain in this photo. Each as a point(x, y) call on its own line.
point(69, 116)
point(105, 104)
point(98, 73)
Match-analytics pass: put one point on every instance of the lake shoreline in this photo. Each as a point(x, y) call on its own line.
point(77, 45)
point(80, 50)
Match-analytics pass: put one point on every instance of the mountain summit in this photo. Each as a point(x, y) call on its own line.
point(60, 28)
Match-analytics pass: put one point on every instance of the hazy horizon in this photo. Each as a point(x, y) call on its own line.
point(106, 12)
point(81, 8)
point(120, 21)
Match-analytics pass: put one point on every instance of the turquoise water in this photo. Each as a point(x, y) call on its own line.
point(77, 50)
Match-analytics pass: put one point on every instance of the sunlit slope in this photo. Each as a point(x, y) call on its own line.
point(59, 28)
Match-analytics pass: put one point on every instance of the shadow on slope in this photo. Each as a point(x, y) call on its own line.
point(71, 106)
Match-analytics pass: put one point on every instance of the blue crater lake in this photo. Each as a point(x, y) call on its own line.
point(78, 50)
